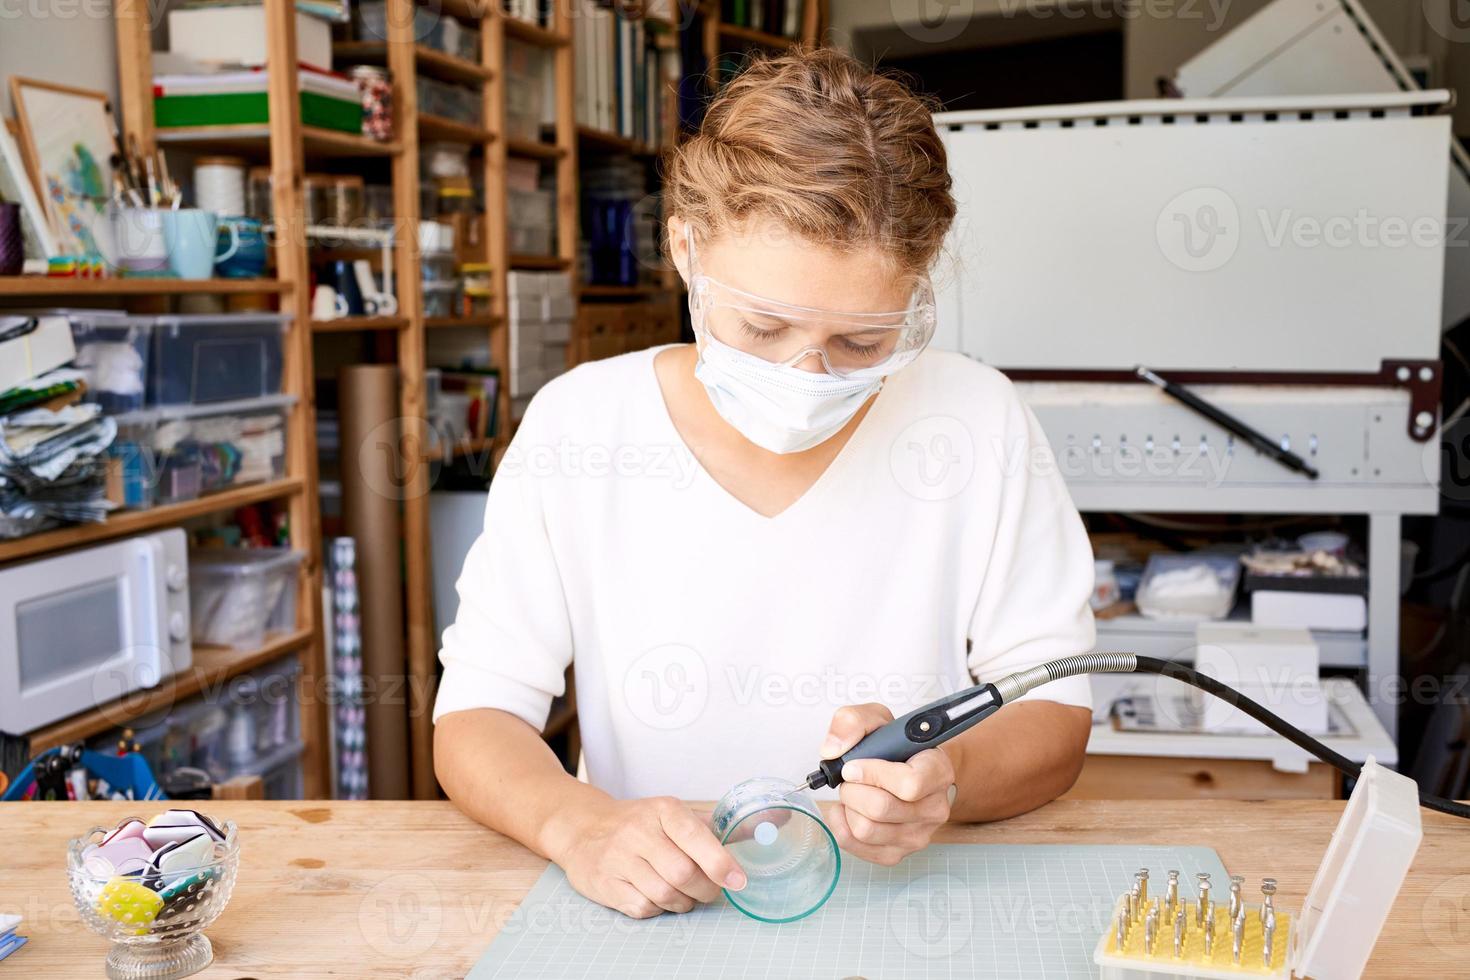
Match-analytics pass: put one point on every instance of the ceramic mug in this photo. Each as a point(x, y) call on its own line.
point(246, 256)
point(192, 236)
point(139, 242)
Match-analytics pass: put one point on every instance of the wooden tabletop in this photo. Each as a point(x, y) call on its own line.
point(416, 889)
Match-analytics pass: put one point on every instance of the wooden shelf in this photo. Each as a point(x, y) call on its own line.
point(134, 521)
point(521, 30)
point(348, 324)
point(539, 262)
point(48, 286)
point(436, 128)
point(481, 322)
point(751, 36)
point(429, 61)
point(615, 142)
point(254, 141)
point(534, 149)
point(212, 666)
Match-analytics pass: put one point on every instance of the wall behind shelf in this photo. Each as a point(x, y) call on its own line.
point(78, 32)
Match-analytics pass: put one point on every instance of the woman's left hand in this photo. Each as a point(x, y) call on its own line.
point(889, 810)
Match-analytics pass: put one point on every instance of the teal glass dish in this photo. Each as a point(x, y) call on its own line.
point(776, 834)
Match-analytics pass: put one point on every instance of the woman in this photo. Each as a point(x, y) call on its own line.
point(762, 547)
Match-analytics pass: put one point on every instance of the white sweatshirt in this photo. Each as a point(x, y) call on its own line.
point(713, 644)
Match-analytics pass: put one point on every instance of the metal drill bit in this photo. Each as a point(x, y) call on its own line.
point(1210, 935)
point(1204, 896)
point(1135, 908)
point(1236, 881)
point(1150, 933)
point(1236, 938)
point(1122, 929)
point(1179, 926)
point(1268, 888)
point(1270, 937)
point(1141, 878)
point(1171, 893)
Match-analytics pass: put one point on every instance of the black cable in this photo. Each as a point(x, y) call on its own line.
point(1232, 697)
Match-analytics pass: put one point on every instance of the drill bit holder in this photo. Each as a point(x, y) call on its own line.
point(1333, 936)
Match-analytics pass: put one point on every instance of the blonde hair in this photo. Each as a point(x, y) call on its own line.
point(835, 152)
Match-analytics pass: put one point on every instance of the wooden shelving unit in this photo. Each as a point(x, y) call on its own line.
point(212, 665)
point(140, 521)
point(41, 286)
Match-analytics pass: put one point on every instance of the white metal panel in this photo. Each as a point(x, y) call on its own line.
point(1106, 246)
point(1318, 47)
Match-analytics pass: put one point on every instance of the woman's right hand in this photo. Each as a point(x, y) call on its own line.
point(643, 857)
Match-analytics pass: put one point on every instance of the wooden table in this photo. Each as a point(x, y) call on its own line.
point(416, 889)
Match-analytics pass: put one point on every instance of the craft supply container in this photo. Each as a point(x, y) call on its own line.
point(158, 935)
point(238, 595)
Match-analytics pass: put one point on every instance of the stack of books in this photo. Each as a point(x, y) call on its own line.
point(781, 17)
point(628, 74)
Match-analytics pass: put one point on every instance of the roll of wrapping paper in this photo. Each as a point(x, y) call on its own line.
point(352, 774)
point(368, 409)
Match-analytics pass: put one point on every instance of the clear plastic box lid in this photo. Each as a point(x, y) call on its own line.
point(241, 562)
point(243, 406)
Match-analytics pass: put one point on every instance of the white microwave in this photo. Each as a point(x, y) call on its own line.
point(87, 627)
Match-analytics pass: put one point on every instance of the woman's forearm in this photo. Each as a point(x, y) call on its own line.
point(1024, 755)
point(500, 771)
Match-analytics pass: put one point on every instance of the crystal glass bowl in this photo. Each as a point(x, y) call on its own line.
point(154, 921)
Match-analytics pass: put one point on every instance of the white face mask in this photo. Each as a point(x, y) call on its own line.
point(779, 408)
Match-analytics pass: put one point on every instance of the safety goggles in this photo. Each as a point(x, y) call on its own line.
point(850, 345)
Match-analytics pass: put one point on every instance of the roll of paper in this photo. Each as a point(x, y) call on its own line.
point(371, 481)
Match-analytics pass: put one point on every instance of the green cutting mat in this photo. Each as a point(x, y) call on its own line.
point(953, 910)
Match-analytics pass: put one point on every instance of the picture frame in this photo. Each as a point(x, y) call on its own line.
point(16, 187)
point(67, 140)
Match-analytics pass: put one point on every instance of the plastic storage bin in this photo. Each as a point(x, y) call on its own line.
point(203, 359)
point(531, 217)
point(112, 351)
point(238, 595)
point(169, 455)
point(1188, 587)
point(441, 298)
